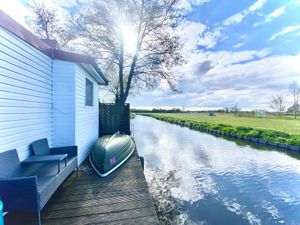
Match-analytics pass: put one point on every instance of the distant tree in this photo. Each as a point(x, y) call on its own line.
point(277, 103)
point(160, 110)
point(226, 109)
point(291, 109)
point(235, 108)
point(46, 24)
point(150, 54)
point(295, 93)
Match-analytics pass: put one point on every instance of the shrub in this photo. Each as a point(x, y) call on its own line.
point(255, 133)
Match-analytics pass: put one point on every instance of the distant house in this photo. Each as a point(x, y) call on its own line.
point(45, 93)
point(260, 113)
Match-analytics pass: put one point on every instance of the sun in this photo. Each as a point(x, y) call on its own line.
point(129, 35)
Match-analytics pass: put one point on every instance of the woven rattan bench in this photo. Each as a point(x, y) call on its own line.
point(26, 187)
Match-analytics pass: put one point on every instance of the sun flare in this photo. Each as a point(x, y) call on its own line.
point(129, 36)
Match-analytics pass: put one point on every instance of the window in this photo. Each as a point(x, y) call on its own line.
point(88, 92)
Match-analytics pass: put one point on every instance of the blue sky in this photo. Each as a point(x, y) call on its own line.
point(255, 26)
point(236, 51)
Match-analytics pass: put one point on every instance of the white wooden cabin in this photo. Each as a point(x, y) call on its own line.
point(45, 93)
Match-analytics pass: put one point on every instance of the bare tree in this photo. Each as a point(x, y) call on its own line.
point(226, 109)
point(136, 39)
point(46, 24)
point(43, 20)
point(295, 93)
point(235, 108)
point(277, 103)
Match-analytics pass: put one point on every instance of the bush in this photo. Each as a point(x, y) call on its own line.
point(294, 141)
point(255, 133)
point(243, 131)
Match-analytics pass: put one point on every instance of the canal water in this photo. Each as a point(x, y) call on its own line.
point(218, 181)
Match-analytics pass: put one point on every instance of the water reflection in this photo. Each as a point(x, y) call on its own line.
point(221, 181)
point(169, 208)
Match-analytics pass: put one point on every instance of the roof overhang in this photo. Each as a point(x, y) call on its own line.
point(87, 62)
point(92, 71)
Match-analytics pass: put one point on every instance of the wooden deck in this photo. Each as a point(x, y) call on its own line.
point(120, 198)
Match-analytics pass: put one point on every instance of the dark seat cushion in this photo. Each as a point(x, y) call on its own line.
point(40, 147)
point(47, 185)
point(9, 164)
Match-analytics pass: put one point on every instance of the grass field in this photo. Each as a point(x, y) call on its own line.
point(287, 125)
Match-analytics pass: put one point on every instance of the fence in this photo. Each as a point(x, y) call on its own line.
point(110, 120)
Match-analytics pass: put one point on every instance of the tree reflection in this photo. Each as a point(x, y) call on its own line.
point(169, 209)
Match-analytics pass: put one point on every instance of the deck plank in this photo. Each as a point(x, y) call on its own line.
point(101, 218)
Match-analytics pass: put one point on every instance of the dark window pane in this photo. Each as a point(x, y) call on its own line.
point(88, 92)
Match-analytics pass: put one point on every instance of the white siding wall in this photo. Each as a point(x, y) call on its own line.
point(86, 117)
point(63, 103)
point(25, 94)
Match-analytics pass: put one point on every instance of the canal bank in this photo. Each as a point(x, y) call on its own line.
point(266, 137)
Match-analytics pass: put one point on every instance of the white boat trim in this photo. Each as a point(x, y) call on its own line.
point(112, 170)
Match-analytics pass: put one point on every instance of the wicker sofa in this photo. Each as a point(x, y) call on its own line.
point(26, 187)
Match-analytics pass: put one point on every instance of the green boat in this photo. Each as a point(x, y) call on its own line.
point(111, 151)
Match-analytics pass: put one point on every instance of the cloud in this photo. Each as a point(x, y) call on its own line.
point(204, 67)
point(239, 17)
point(187, 5)
point(276, 13)
point(238, 45)
point(202, 63)
point(256, 6)
point(190, 32)
point(16, 10)
point(284, 31)
point(226, 58)
point(194, 34)
point(209, 39)
point(269, 18)
point(244, 37)
point(297, 2)
point(234, 19)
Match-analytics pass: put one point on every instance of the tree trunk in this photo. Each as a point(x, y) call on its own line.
point(295, 108)
point(119, 111)
point(121, 69)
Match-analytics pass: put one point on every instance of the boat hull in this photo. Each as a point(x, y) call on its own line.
point(109, 152)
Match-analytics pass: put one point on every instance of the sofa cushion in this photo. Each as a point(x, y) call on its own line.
point(49, 184)
point(40, 147)
point(9, 164)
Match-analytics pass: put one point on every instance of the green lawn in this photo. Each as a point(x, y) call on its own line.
point(288, 125)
